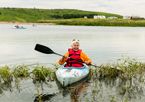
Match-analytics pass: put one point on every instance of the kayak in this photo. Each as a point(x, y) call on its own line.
point(19, 28)
point(69, 75)
point(34, 25)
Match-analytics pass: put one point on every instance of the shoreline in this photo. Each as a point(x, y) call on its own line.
point(17, 23)
point(86, 22)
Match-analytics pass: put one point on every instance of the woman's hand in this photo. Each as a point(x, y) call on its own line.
point(63, 57)
point(87, 62)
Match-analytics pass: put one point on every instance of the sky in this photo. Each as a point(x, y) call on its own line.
point(121, 7)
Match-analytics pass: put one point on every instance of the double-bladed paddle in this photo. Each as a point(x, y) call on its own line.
point(47, 50)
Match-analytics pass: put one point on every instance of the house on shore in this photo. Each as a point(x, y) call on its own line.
point(99, 17)
point(136, 18)
point(132, 17)
point(126, 17)
point(112, 18)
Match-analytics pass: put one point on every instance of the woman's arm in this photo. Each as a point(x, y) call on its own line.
point(85, 58)
point(63, 59)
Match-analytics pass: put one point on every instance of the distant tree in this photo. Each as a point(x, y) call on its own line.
point(56, 16)
point(67, 16)
point(27, 20)
point(0, 13)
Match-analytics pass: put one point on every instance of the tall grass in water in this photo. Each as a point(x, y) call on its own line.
point(21, 71)
point(43, 73)
point(40, 73)
point(124, 68)
point(39, 95)
point(131, 67)
point(5, 74)
point(128, 68)
point(128, 80)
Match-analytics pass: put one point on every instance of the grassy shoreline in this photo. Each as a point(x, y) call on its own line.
point(97, 22)
point(86, 22)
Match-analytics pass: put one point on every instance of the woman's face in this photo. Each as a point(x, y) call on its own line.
point(75, 46)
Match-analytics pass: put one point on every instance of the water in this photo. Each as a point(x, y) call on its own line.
point(101, 44)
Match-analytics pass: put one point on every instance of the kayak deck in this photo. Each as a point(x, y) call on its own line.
point(69, 75)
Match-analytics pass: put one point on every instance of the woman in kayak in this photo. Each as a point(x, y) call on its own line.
point(17, 26)
point(75, 53)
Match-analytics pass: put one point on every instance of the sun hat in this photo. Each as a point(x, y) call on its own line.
point(75, 41)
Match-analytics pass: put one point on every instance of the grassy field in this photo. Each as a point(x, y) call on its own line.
point(34, 15)
point(64, 17)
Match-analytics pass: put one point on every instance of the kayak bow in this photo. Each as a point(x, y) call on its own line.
point(69, 75)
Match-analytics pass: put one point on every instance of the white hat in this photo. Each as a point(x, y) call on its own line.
point(75, 41)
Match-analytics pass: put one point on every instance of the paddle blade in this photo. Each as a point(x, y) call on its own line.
point(43, 49)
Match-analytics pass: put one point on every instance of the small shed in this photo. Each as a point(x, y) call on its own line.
point(85, 17)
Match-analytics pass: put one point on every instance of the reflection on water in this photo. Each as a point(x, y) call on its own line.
point(45, 98)
point(79, 91)
point(91, 89)
point(73, 91)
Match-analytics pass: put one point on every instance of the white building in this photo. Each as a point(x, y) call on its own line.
point(132, 17)
point(99, 17)
point(112, 18)
point(126, 17)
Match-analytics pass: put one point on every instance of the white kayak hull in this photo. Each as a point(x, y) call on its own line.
point(69, 75)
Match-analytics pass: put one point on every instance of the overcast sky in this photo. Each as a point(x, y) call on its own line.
point(121, 7)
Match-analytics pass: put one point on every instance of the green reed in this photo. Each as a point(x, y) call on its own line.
point(128, 71)
point(5, 74)
point(127, 75)
point(125, 68)
point(39, 95)
point(21, 71)
point(40, 72)
point(131, 67)
point(52, 70)
point(43, 73)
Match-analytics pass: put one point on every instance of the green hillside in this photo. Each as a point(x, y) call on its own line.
point(35, 15)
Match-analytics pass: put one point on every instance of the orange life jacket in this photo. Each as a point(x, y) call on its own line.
point(75, 55)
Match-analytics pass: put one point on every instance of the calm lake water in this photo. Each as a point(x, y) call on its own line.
point(101, 44)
